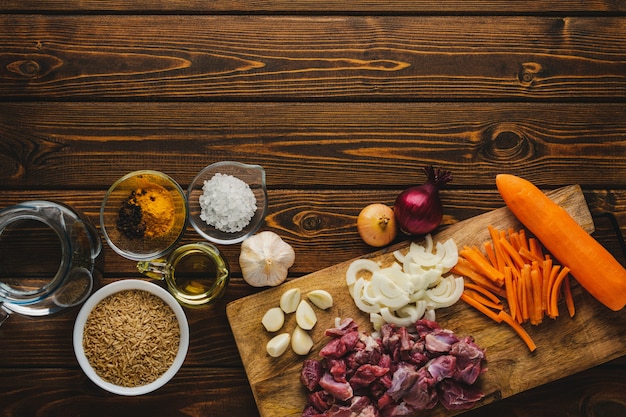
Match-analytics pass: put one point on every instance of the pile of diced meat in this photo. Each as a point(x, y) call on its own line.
point(395, 374)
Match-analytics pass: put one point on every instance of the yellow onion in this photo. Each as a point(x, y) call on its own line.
point(376, 225)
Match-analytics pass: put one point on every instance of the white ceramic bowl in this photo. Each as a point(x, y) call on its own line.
point(101, 294)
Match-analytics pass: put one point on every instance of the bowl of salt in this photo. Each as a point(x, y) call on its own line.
point(227, 201)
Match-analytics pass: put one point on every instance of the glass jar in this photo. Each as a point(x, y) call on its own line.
point(47, 258)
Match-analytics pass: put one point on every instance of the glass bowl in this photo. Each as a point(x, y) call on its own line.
point(216, 219)
point(102, 294)
point(143, 215)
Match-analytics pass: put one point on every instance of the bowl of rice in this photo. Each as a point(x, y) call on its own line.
point(227, 201)
point(131, 337)
point(144, 215)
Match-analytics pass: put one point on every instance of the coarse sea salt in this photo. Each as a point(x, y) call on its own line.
point(227, 203)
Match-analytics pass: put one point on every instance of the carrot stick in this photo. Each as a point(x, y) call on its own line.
point(514, 239)
point(590, 263)
point(495, 239)
point(480, 263)
point(547, 267)
point(530, 256)
point(484, 291)
point(518, 329)
point(528, 286)
point(514, 254)
point(569, 299)
point(555, 289)
point(535, 278)
point(523, 241)
point(535, 248)
point(554, 272)
point(483, 300)
point(464, 268)
point(491, 254)
point(511, 294)
point(508, 261)
point(494, 233)
point(478, 306)
point(522, 297)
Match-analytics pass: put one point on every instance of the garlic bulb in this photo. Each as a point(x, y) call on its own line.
point(265, 259)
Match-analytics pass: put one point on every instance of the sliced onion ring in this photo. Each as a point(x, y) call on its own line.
point(411, 288)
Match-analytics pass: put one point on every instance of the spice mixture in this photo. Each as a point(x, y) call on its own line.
point(227, 203)
point(131, 338)
point(148, 212)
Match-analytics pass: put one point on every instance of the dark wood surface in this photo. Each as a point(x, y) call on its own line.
point(342, 103)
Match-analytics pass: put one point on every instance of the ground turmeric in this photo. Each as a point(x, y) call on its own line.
point(148, 212)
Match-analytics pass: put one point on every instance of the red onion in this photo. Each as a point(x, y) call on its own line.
point(418, 210)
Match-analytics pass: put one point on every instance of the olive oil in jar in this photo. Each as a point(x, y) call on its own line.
point(196, 274)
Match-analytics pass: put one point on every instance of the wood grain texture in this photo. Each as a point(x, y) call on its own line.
point(312, 58)
point(68, 392)
point(595, 335)
point(322, 6)
point(314, 145)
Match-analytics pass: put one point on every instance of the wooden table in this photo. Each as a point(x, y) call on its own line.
point(342, 103)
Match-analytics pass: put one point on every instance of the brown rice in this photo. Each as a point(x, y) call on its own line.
point(131, 338)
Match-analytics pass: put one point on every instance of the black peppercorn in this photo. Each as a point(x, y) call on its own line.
point(129, 221)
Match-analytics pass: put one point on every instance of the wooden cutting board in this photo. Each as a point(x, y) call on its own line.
point(564, 346)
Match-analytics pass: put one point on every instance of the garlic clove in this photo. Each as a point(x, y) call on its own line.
point(321, 299)
point(278, 345)
point(301, 342)
point(265, 259)
point(273, 319)
point(305, 315)
point(289, 300)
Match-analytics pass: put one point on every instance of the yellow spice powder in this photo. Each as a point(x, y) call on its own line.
point(157, 209)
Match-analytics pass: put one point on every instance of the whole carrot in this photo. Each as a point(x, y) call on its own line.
point(589, 262)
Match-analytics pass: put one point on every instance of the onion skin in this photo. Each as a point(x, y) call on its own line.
point(418, 210)
point(376, 225)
